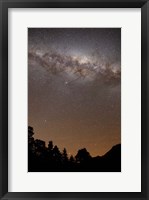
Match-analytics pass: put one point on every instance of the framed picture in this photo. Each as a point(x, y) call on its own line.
point(74, 99)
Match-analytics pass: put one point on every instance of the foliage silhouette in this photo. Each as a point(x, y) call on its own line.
point(82, 156)
point(51, 159)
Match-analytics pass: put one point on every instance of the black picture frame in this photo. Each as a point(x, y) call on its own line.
point(4, 6)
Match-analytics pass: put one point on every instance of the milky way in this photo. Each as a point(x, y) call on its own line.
point(75, 87)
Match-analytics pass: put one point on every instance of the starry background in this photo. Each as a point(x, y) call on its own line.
point(74, 87)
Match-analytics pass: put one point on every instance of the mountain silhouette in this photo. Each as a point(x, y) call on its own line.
point(111, 161)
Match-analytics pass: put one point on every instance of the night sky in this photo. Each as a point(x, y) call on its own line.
point(74, 87)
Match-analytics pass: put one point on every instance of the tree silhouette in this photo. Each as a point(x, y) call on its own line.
point(30, 132)
point(65, 155)
point(31, 146)
point(51, 159)
point(50, 146)
point(72, 160)
point(57, 154)
point(40, 147)
point(82, 155)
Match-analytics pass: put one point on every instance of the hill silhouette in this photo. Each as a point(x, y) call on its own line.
point(50, 159)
